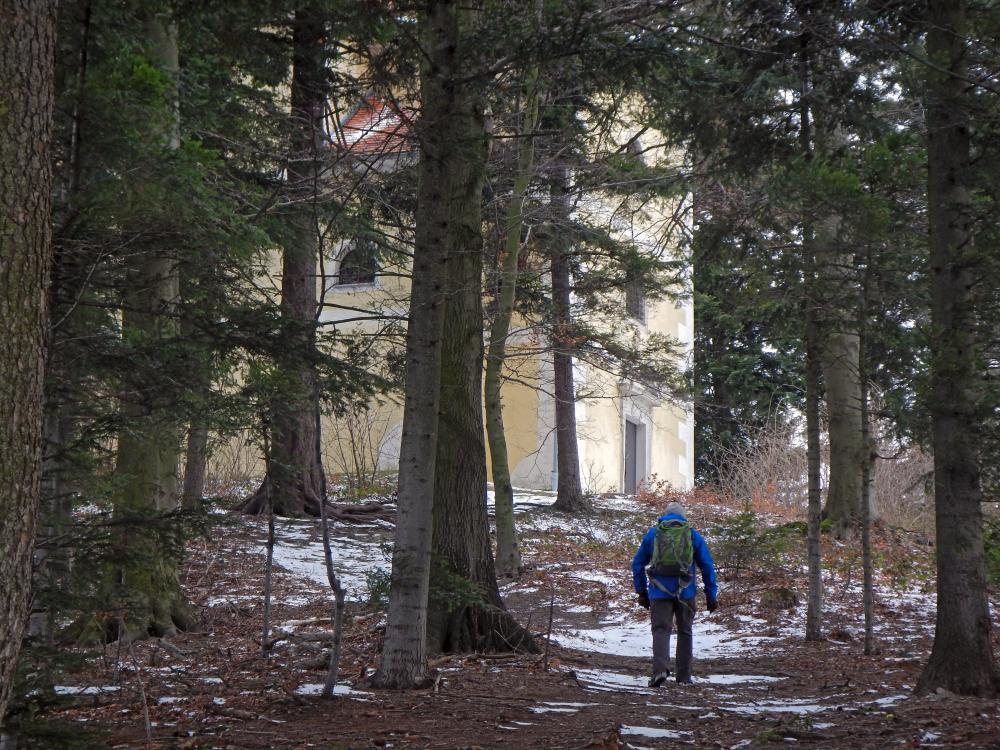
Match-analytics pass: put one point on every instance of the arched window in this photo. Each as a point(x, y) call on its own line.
point(359, 264)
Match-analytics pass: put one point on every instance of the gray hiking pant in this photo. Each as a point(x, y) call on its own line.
point(662, 614)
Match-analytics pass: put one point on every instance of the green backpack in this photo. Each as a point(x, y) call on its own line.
point(673, 550)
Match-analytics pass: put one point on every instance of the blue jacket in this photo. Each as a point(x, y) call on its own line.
point(702, 558)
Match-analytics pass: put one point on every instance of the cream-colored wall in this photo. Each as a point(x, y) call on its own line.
point(529, 414)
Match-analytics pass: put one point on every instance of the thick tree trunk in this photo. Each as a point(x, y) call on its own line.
point(149, 445)
point(843, 408)
point(294, 475)
point(962, 657)
point(449, 133)
point(569, 491)
point(508, 554)
point(465, 611)
point(840, 353)
point(26, 85)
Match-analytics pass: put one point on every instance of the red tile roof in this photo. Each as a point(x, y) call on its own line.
point(376, 128)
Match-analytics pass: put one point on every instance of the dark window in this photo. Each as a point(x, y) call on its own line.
point(359, 264)
point(635, 301)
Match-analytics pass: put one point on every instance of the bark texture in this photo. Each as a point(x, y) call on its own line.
point(569, 491)
point(150, 598)
point(294, 481)
point(195, 464)
point(962, 657)
point(443, 202)
point(465, 611)
point(841, 376)
point(26, 86)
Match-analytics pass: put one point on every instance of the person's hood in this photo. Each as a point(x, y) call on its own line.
point(672, 517)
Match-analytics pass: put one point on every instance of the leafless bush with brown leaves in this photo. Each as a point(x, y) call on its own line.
point(769, 472)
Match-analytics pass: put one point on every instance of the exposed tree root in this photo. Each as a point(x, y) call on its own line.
point(478, 628)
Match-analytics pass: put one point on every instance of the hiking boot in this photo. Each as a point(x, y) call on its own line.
point(659, 679)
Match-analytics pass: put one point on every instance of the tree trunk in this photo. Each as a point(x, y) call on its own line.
point(843, 408)
point(569, 492)
point(814, 605)
point(465, 611)
point(840, 353)
point(813, 378)
point(868, 459)
point(294, 475)
point(149, 445)
point(508, 554)
point(53, 561)
point(26, 86)
point(962, 657)
point(195, 463)
point(448, 134)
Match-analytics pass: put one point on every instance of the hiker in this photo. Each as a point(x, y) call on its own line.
point(671, 549)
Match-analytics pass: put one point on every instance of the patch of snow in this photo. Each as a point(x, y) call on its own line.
point(604, 681)
point(733, 679)
point(169, 699)
point(619, 638)
point(598, 577)
point(90, 690)
point(341, 688)
point(890, 700)
point(789, 706)
point(299, 550)
point(653, 732)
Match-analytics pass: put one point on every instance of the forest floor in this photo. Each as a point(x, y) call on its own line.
point(756, 680)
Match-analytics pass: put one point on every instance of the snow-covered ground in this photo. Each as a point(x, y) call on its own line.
point(596, 610)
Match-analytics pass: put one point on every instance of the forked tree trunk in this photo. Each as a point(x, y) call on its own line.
point(962, 657)
point(294, 481)
point(148, 456)
point(508, 554)
point(449, 133)
point(569, 491)
point(26, 86)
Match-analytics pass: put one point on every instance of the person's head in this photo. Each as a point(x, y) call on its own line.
point(675, 508)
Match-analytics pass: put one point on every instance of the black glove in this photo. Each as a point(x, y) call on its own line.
point(644, 600)
point(711, 604)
